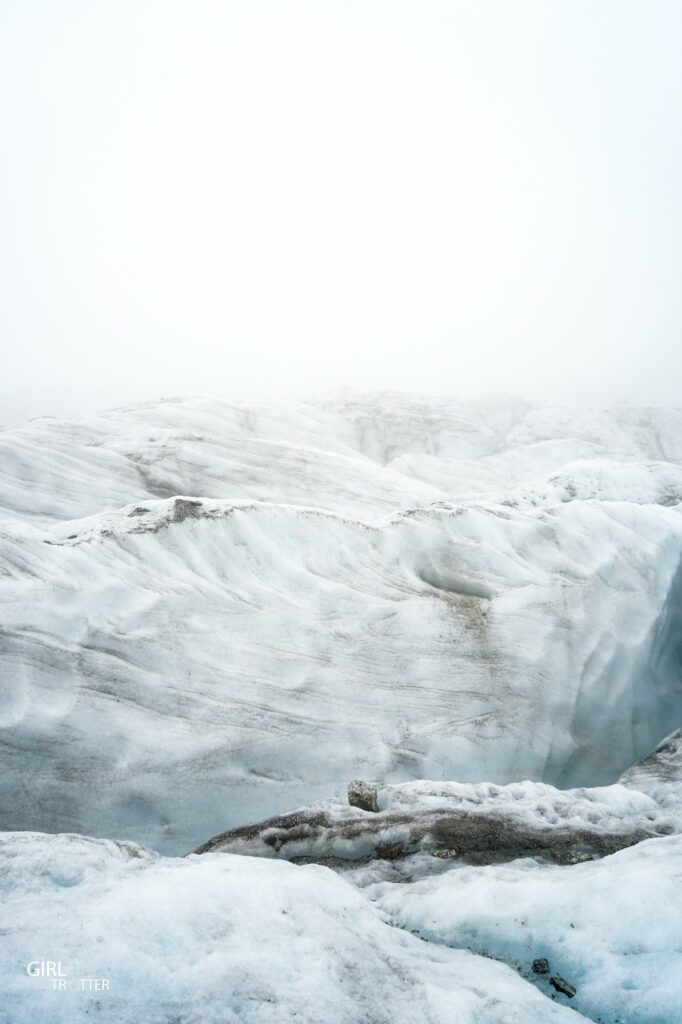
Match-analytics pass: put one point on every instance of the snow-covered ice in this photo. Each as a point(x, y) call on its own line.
point(588, 924)
point(259, 638)
point(612, 928)
point(221, 939)
point(419, 934)
point(451, 820)
point(214, 613)
point(362, 456)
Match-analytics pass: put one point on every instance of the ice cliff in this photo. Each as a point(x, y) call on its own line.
point(261, 603)
point(214, 615)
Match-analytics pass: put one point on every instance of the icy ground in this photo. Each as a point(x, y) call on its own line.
point(390, 927)
point(219, 939)
point(213, 613)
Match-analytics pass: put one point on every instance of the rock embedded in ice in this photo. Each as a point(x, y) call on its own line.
point(363, 795)
point(479, 824)
point(561, 985)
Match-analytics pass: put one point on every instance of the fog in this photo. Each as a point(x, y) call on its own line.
point(255, 198)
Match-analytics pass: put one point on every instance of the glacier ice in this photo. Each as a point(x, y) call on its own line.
point(451, 820)
point(221, 940)
point(172, 666)
point(611, 927)
point(576, 890)
point(213, 612)
point(219, 936)
point(259, 656)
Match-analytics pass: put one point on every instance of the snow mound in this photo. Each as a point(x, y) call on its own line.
point(641, 483)
point(217, 939)
point(610, 928)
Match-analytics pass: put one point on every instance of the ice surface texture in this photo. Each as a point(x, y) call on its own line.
point(483, 823)
point(383, 588)
point(221, 937)
point(226, 940)
point(611, 927)
point(524, 873)
point(213, 613)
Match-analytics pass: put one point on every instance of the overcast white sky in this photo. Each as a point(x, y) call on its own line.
point(260, 197)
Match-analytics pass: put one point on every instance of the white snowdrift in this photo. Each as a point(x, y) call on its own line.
point(221, 939)
point(611, 928)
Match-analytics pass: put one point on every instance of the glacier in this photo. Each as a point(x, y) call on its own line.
point(213, 613)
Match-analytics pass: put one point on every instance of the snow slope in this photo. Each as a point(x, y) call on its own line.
point(323, 602)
